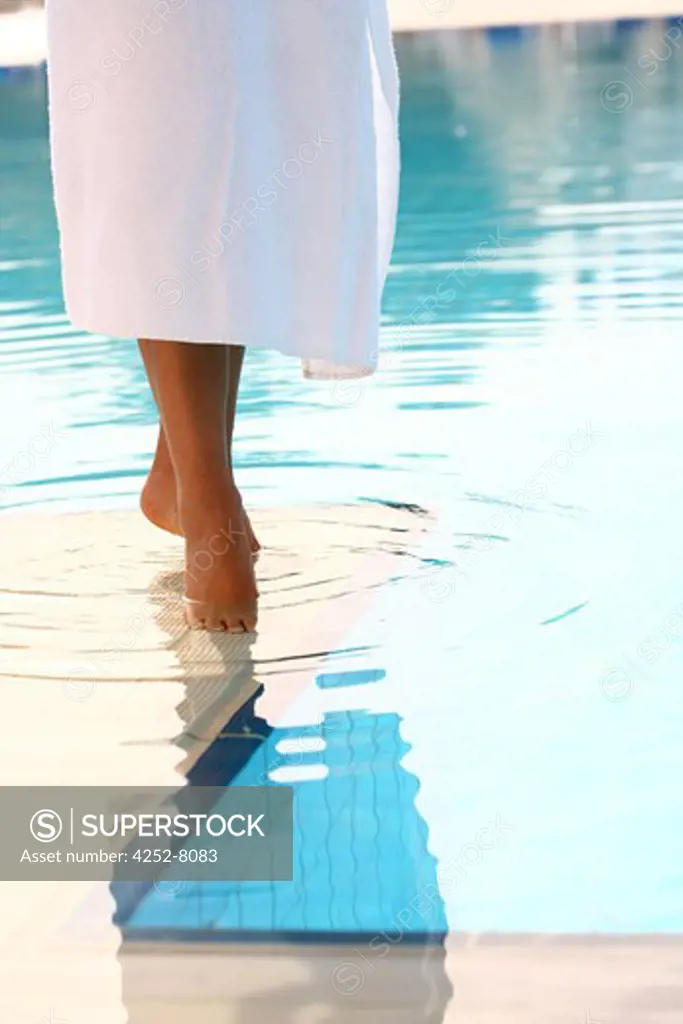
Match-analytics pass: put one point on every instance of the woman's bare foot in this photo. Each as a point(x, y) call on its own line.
point(159, 501)
point(159, 497)
point(220, 586)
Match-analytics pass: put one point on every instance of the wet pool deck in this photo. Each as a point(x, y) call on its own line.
point(117, 691)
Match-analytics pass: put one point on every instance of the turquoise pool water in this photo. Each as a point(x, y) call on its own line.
point(505, 737)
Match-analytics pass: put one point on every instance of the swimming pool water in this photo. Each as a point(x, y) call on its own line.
point(526, 688)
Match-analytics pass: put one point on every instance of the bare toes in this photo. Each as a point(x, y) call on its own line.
point(200, 615)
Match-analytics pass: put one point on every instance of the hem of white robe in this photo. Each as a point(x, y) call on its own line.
point(318, 369)
point(313, 367)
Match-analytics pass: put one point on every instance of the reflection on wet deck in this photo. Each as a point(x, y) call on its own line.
point(107, 685)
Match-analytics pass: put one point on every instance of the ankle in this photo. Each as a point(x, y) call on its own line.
point(206, 509)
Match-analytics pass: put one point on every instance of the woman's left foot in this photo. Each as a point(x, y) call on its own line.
point(159, 498)
point(159, 502)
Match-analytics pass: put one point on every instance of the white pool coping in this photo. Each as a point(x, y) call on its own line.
point(23, 38)
point(413, 15)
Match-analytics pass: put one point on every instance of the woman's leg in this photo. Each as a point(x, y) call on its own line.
point(159, 495)
point(190, 383)
point(159, 498)
point(235, 361)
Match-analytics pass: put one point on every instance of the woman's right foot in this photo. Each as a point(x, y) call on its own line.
point(220, 585)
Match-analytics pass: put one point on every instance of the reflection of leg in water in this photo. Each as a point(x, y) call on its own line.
point(217, 670)
point(219, 727)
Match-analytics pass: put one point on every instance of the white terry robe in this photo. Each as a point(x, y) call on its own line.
point(227, 171)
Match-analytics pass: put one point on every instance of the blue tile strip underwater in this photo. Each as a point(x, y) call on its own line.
point(330, 839)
